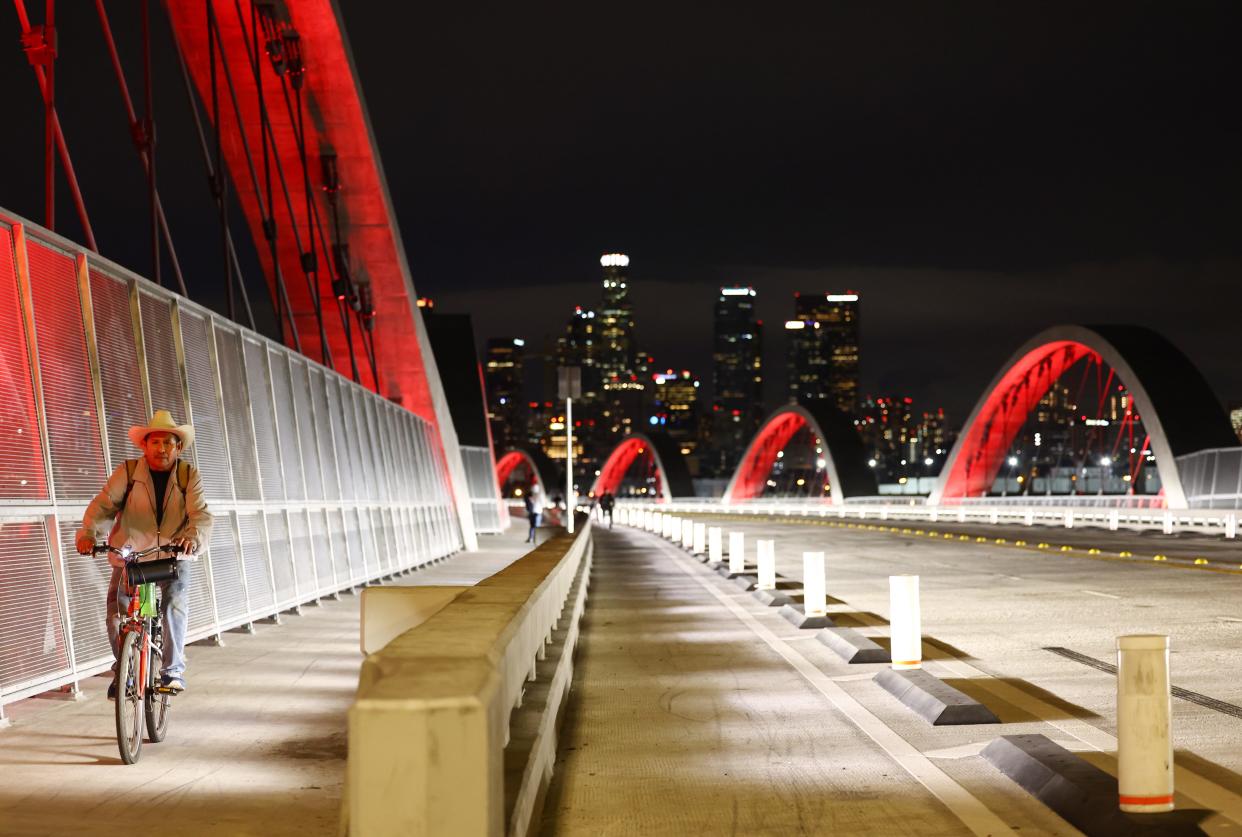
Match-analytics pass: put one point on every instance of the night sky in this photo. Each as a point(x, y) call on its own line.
point(977, 171)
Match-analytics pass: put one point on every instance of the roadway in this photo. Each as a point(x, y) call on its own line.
point(256, 745)
point(696, 708)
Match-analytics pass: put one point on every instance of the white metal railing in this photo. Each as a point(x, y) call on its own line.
point(316, 484)
point(1223, 522)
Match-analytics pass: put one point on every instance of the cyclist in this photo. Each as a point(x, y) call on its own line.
point(147, 502)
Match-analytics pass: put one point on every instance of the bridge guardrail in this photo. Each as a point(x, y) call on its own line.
point(317, 485)
point(434, 747)
point(1223, 522)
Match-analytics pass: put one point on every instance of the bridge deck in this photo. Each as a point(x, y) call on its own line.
point(256, 745)
point(698, 710)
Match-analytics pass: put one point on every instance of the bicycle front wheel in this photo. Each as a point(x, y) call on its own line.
point(128, 711)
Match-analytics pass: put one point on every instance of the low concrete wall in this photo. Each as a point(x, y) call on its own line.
point(431, 721)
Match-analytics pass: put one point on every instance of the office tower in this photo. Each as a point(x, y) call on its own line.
point(737, 376)
point(502, 377)
point(823, 349)
point(615, 327)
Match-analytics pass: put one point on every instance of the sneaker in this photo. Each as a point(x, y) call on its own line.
point(172, 683)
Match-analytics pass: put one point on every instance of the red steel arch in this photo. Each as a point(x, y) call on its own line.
point(848, 475)
point(662, 451)
point(336, 122)
point(511, 460)
point(1178, 409)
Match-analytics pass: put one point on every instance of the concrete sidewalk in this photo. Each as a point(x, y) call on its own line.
point(256, 746)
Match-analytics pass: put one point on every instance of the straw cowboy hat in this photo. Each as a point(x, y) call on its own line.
point(162, 421)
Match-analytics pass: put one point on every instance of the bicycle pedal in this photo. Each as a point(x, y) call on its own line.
point(165, 690)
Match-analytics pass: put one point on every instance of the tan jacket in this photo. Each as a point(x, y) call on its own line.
point(183, 516)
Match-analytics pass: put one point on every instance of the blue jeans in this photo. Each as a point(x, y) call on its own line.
point(174, 613)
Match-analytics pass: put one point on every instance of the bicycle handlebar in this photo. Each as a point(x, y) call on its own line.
point(104, 549)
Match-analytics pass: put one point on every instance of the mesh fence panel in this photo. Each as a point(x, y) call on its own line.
point(356, 558)
point(237, 415)
point(119, 375)
point(210, 451)
point(86, 585)
point(264, 419)
point(302, 554)
point(32, 638)
point(340, 548)
point(226, 573)
point(282, 558)
point(254, 559)
point(324, 437)
point(202, 604)
point(69, 408)
point(340, 434)
point(290, 458)
point(160, 351)
point(322, 544)
point(305, 420)
point(21, 449)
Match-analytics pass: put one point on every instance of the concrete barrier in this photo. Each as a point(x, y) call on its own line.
point(431, 721)
point(388, 612)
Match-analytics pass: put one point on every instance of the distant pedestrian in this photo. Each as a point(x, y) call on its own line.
point(606, 502)
point(532, 516)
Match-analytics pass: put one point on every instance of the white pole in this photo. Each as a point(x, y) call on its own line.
point(905, 621)
point(713, 545)
point(700, 539)
point(737, 552)
point(569, 465)
point(814, 585)
point(1113, 520)
point(767, 565)
point(687, 533)
point(1144, 710)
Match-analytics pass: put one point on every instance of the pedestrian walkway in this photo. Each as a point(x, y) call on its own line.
point(256, 745)
point(683, 721)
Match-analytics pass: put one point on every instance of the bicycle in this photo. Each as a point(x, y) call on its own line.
point(140, 634)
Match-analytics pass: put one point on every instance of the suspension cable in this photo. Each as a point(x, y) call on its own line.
point(216, 180)
point(36, 44)
point(137, 130)
point(254, 178)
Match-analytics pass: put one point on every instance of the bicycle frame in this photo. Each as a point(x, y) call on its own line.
point(134, 621)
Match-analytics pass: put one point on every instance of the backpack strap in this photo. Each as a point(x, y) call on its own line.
point(183, 476)
point(131, 465)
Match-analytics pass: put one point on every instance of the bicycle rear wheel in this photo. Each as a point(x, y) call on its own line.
point(128, 714)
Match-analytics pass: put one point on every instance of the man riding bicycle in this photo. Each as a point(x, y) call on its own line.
point(148, 502)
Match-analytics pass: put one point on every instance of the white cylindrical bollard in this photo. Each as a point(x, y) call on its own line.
point(1144, 730)
point(814, 585)
point(657, 522)
point(687, 533)
point(737, 552)
point(766, 559)
point(713, 545)
point(700, 539)
point(1114, 520)
point(1069, 518)
point(906, 647)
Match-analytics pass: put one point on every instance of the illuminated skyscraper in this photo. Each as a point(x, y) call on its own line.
point(737, 376)
point(824, 349)
point(615, 354)
point(502, 376)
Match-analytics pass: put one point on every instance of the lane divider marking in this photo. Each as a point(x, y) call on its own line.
point(965, 806)
point(1101, 595)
